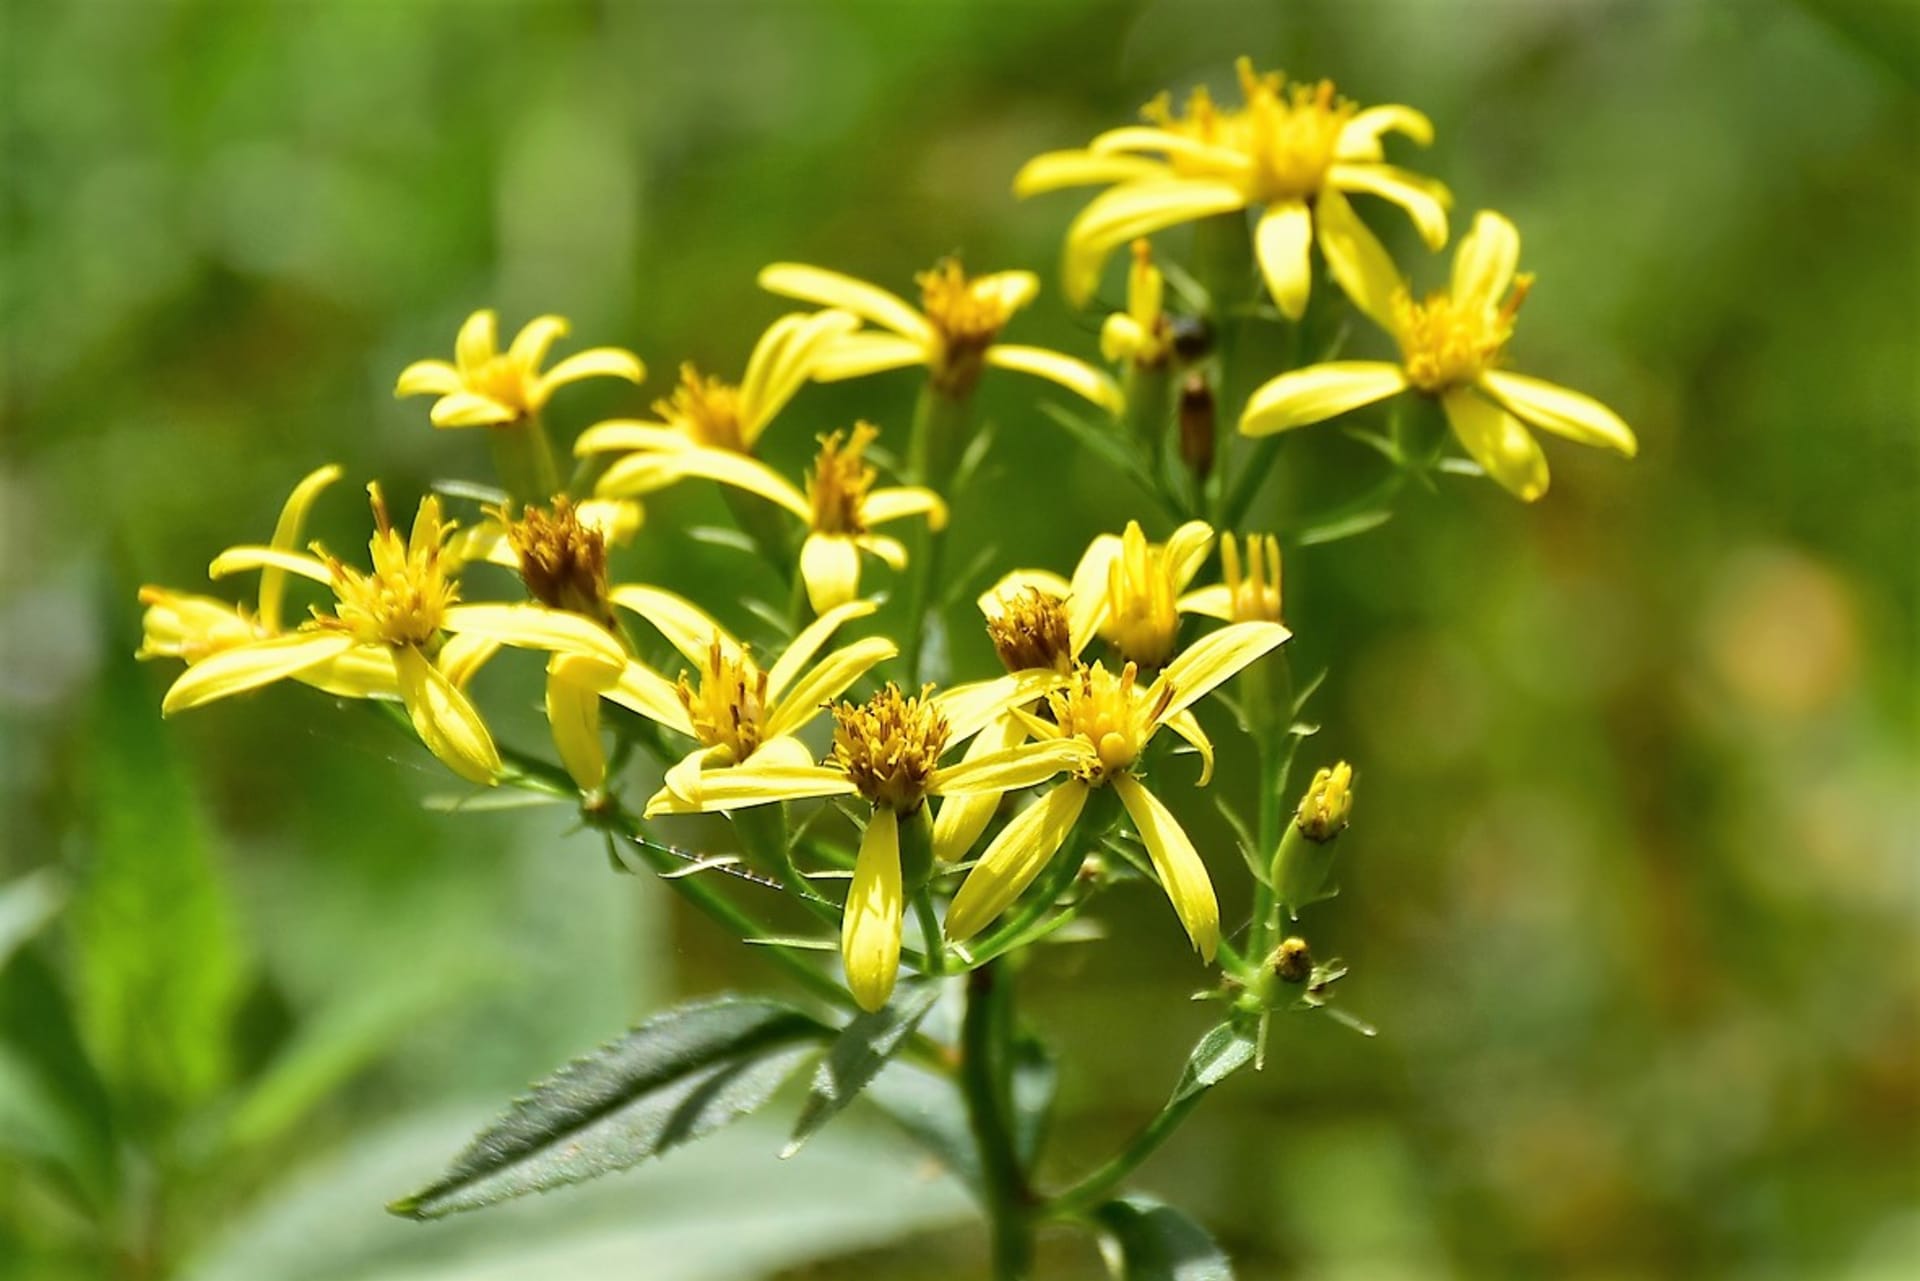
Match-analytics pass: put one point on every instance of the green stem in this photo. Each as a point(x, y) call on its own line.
point(936, 952)
point(1093, 1189)
point(523, 457)
point(939, 423)
point(985, 1069)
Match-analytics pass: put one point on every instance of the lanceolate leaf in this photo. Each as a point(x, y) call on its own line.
point(1148, 1240)
point(862, 1049)
point(1223, 1051)
point(674, 1078)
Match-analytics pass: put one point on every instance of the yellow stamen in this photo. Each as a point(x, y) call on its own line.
point(1031, 631)
point(728, 708)
point(404, 600)
point(889, 746)
point(1111, 713)
point(966, 319)
point(1446, 344)
point(707, 409)
point(840, 481)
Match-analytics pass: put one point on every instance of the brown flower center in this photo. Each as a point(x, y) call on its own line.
point(890, 746)
point(1031, 631)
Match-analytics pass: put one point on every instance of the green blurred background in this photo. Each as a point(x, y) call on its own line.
point(1631, 888)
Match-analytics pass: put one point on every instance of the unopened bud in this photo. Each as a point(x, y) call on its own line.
point(1292, 961)
point(1328, 804)
point(1304, 862)
point(1196, 425)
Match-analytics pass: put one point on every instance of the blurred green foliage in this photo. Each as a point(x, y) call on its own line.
point(1631, 886)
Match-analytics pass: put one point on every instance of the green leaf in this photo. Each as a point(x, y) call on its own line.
point(54, 1105)
point(1105, 440)
point(676, 1077)
point(27, 904)
point(1224, 1050)
point(1035, 1077)
point(158, 968)
point(1243, 836)
point(1148, 1240)
point(861, 1050)
point(928, 1107)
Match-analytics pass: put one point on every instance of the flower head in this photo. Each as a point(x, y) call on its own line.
point(1142, 335)
point(955, 334)
point(486, 387)
point(1250, 588)
point(1030, 629)
point(890, 746)
point(1451, 348)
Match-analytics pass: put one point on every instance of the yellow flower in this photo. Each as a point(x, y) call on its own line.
point(1450, 348)
point(1107, 720)
point(709, 413)
point(1142, 335)
point(486, 387)
point(840, 505)
point(394, 618)
point(955, 334)
point(886, 750)
point(1295, 151)
point(1249, 594)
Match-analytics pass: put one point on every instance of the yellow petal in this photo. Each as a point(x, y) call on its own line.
point(447, 723)
point(1283, 242)
point(1022, 766)
point(1182, 874)
point(684, 776)
point(830, 568)
point(621, 434)
point(1120, 336)
point(686, 626)
point(179, 625)
point(867, 352)
point(1358, 261)
point(1484, 262)
point(781, 749)
point(1055, 170)
point(598, 362)
point(573, 713)
point(1016, 581)
point(1186, 551)
point(971, 707)
point(1496, 440)
point(826, 682)
point(537, 627)
point(237, 560)
point(1558, 410)
point(427, 377)
point(641, 689)
point(536, 337)
point(614, 519)
point(365, 671)
point(962, 817)
point(1209, 602)
point(1014, 858)
point(783, 360)
point(1087, 602)
point(870, 929)
point(462, 657)
point(1222, 161)
point(1209, 662)
point(245, 667)
point(478, 341)
point(890, 550)
point(1123, 213)
point(833, 289)
point(753, 783)
point(1076, 376)
point(1187, 726)
point(1360, 138)
point(1317, 393)
point(642, 472)
point(465, 409)
point(883, 505)
point(803, 647)
point(1424, 199)
point(1008, 290)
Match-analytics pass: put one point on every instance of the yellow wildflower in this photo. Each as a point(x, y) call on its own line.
point(840, 505)
point(1450, 348)
point(1250, 593)
point(955, 333)
point(1142, 335)
point(1107, 720)
point(485, 387)
point(709, 413)
point(396, 616)
point(1295, 151)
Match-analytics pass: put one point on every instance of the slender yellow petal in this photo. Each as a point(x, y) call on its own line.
point(1317, 393)
point(1077, 376)
point(870, 929)
point(1187, 726)
point(890, 550)
point(621, 434)
point(1055, 170)
point(1497, 441)
point(462, 657)
point(867, 352)
point(427, 377)
point(1013, 858)
point(781, 749)
point(754, 783)
point(971, 707)
point(465, 409)
point(883, 505)
point(1182, 874)
point(573, 713)
point(614, 519)
point(803, 647)
point(1123, 213)
point(1022, 766)
point(597, 362)
point(1203, 666)
point(1224, 161)
point(641, 689)
point(1283, 243)
point(445, 720)
point(237, 560)
point(830, 568)
point(1209, 602)
point(834, 289)
point(1558, 410)
point(640, 473)
point(1359, 262)
point(1484, 262)
point(478, 341)
point(1360, 139)
point(963, 817)
point(537, 627)
point(687, 627)
point(365, 671)
point(782, 361)
point(683, 778)
point(530, 346)
point(826, 682)
point(1186, 551)
point(1009, 290)
point(1425, 199)
point(1087, 602)
point(245, 667)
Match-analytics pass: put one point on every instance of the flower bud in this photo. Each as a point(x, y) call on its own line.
point(1304, 861)
point(1292, 961)
point(1328, 804)
point(1196, 425)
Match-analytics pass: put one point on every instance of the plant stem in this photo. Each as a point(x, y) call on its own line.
point(985, 1064)
point(523, 457)
point(1092, 1190)
point(939, 421)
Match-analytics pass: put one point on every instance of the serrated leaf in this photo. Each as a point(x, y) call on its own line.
point(859, 1052)
point(677, 1076)
point(1148, 1240)
point(1224, 1050)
